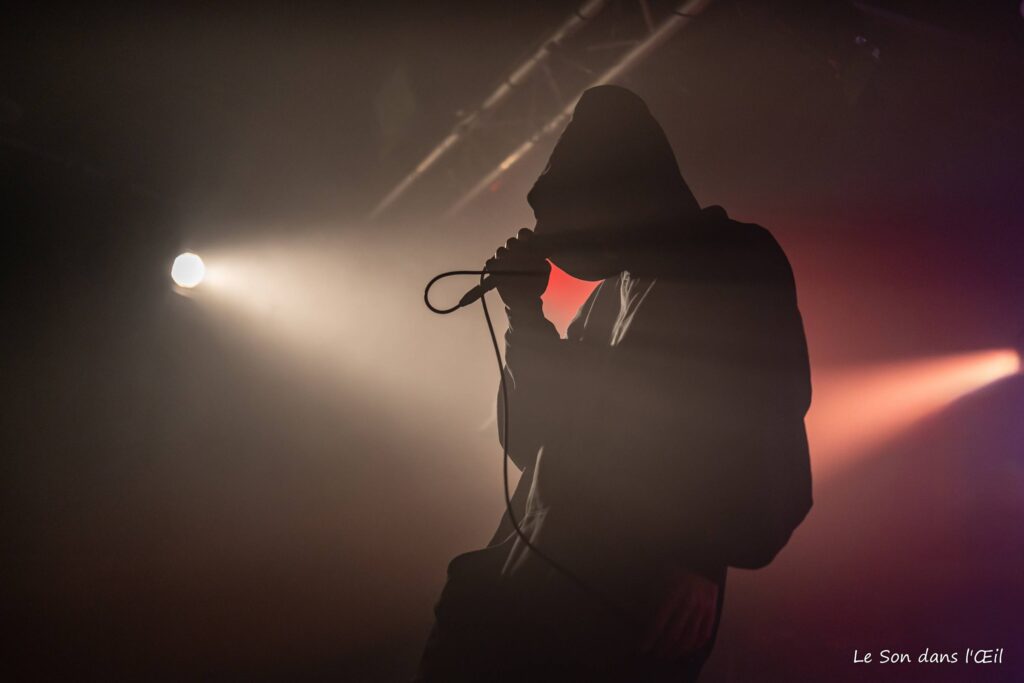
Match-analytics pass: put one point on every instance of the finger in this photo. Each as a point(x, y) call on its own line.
point(689, 639)
point(659, 624)
point(502, 252)
point(707, 622)
point(711, 617)
point(674, 605)
point(675, 637)
point(664, 634)
point(513, 244)
point(525, 235)
point(703, 622)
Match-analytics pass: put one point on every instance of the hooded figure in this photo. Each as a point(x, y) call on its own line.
point(660, 443)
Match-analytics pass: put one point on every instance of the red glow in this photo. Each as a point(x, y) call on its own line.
point(563, 297)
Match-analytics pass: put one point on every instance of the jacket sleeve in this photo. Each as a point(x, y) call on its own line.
point(537, 364)
point(751, 486)
point(532, 350)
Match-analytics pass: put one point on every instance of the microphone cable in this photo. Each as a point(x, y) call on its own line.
point(600, 597)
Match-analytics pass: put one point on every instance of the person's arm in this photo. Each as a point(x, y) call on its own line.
point(538, 364)
point(530, 345)
point(757, 488)
point(532, 349)
point(534, 356)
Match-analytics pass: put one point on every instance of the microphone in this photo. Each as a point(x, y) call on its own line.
point(489, 283)
point(542, 245)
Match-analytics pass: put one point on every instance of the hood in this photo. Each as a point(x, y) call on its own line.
point(611, 169)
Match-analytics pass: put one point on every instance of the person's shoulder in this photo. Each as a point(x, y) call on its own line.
point(715, 221)
point(753, 246)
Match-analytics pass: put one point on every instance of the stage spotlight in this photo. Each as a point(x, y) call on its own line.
point(188, 270)
point(857, 409)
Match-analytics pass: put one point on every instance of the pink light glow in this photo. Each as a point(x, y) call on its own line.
point(858, 408)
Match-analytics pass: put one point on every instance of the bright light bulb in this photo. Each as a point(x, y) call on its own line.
point(188, 270)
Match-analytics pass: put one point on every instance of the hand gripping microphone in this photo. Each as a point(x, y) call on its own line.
point(541, 245)
point(490, 282)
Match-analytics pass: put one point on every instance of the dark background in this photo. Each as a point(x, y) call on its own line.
point(266, 484)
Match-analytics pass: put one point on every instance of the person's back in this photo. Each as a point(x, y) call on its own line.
point(661, 442)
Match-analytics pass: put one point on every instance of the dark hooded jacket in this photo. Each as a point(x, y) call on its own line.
point(666, 431)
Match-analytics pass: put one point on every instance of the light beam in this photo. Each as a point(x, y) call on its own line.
point(857, 409)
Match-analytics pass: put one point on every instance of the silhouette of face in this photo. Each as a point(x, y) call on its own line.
point(611, 173)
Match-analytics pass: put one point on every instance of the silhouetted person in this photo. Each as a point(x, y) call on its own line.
point(660, 443)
